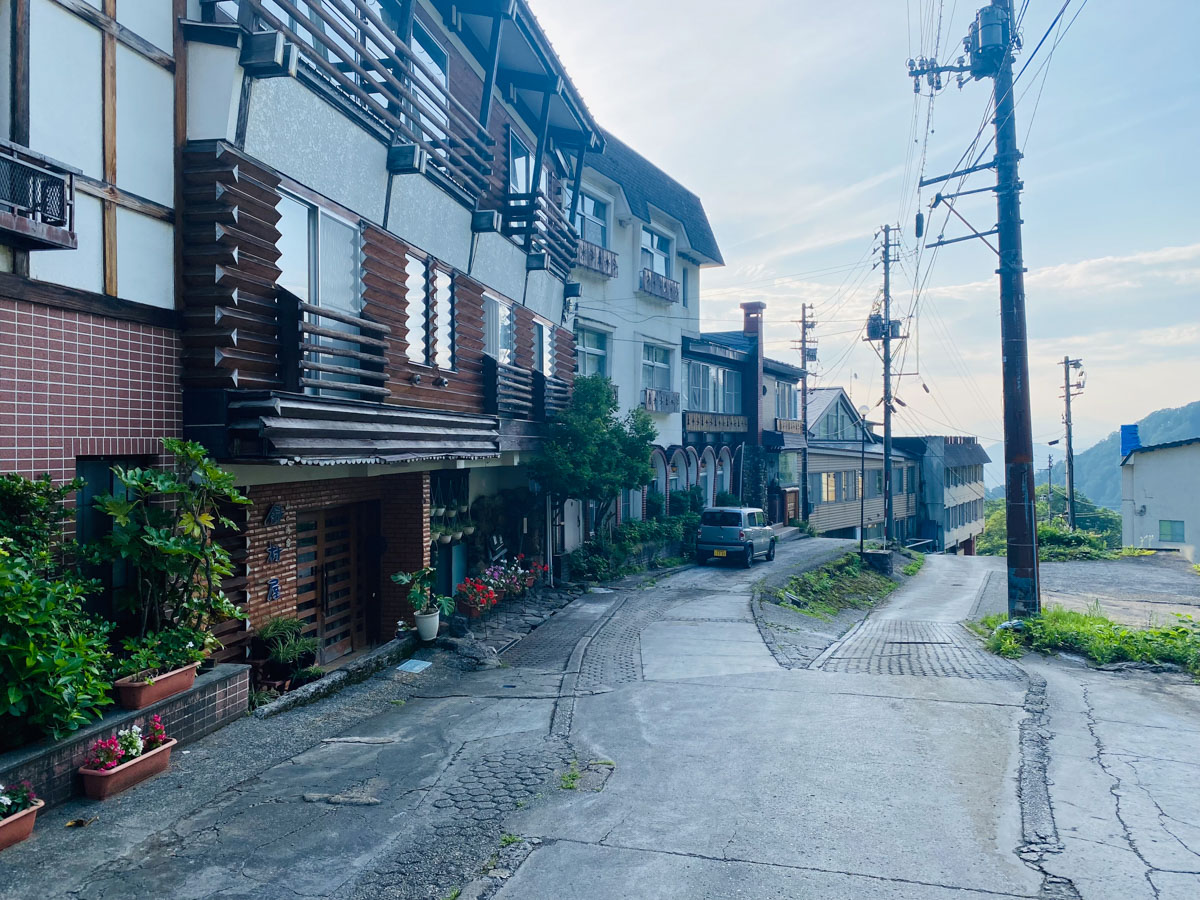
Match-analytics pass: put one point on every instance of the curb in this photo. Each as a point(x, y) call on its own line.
point(360, 670)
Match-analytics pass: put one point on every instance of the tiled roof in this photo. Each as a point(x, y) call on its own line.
point(646, 185)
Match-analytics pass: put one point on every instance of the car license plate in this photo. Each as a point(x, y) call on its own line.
point(718, 553)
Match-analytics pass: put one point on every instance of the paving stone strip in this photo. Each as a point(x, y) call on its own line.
point(916, 648)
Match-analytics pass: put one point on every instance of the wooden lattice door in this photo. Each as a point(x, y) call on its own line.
point(328, 599)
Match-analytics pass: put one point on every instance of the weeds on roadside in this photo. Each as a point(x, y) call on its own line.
point(915, 566)
point(1097, 638)
point(569, 780)
point(507, 840)
point(842, 584)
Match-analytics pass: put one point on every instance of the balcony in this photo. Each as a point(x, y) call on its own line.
point(658, 286)
point(348, 48)
point(595, 258)
point(37, 200)
point(660, 401)
point(543, 227)
point(331, 353)
point(515, 393)
point(715, 422)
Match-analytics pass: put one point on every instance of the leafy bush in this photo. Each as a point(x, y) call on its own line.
point(842, 584)
point(695, 499)
point(1099, 639)
point(654, 505)
point(681, 502)
point(724, 498)
point(602, 560)
point(163, 651)
point(54, 658)
point(918, 560)
point(32, 516)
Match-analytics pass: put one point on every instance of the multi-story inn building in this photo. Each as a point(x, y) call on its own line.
point(951, 493)
point(644, 241)
point(330, 239)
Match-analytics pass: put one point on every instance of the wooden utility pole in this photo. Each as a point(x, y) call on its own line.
point(889, 511)
point(1070, 390)
point(805, 325)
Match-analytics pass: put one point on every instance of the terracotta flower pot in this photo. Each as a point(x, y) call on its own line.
point(101, 785)
point(16, 828)
point(133, 692)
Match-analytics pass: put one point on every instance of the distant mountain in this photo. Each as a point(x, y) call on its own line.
point(993, 472)
point(1098, 469)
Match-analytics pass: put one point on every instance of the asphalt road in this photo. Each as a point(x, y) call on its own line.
point(646, 743)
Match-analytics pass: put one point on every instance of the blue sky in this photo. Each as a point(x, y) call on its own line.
point(793, 121)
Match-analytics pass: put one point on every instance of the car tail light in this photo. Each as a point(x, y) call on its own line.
point(741, 535)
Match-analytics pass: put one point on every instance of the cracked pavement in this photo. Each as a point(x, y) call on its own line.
point(885, 758)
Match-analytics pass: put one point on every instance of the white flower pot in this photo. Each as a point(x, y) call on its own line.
point(427, 624)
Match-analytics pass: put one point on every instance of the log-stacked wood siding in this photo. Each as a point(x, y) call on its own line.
point(385, 292)
point(231, 328)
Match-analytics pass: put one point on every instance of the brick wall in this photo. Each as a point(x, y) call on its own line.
point(216, 699)
point(404, 527)
point(73, 384)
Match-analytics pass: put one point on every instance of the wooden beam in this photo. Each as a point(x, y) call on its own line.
point(106, 21)
point(59, 296)
point(108, 101)
point(576, 186)
point(492, 68)
point(113, 194)
point(179, 50)
point(529, 81)
point(19, 105)
point(539, 156)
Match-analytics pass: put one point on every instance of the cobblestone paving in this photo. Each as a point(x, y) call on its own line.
point(549, 646)
point(460, 821)
point(796, 640)
point(917, 648)
point(615, 655)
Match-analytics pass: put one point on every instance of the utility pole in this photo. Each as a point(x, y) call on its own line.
point(805, 325)
point(888, 508)
point(990, 45)
point(1070, 390)
point(1049, 488)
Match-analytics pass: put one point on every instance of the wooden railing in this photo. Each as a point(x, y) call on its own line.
point(37, 200)
point(330, 352)
point(554, 395)
point(660, 401)
point(597, 259)
point(507, 390)
point(347, 44)
point(659, 286)
point(543, 227)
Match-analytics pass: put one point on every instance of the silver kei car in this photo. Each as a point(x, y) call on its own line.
point(734, 533)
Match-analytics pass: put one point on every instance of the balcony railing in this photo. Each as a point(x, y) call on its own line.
point(331, 353)
point(37, 201)
point(508, 390)
point(554, 393)
point(660, 401)
point(659, 286)
point(543, 223)
point(348, 45)
point(597, 259)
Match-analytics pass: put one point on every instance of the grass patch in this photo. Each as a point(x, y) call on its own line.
point(507, 840)
point(569, 780)
point(1097, 638)
point(1135, 551)
point(842, 584)
point(915, 566)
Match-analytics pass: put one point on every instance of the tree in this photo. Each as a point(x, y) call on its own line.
point(592, 453)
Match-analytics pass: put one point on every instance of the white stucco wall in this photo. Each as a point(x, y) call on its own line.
point(1162, 485)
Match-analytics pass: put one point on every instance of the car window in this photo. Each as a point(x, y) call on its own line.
point(751, 519)
point(722, 518)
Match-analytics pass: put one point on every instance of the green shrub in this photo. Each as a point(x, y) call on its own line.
point(918, 560)
point(32, 515)
point(54, 658)
point(724, 498)
point(842, 584)
point(681, 502)
point(655, 505)
point(696, 499)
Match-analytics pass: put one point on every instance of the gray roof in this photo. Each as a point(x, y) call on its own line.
point(646, 185)
point(1150, 448)
point(966, 455)
point(819, 401)
point(739, 341)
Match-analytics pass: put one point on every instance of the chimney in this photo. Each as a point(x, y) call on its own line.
point(752, 382)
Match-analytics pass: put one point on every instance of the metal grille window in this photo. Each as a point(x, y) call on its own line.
point(1171, 531)
point(591, 352)
point(656, 367)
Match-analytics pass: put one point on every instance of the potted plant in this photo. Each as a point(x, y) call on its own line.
point(307, 675)
point(444, 534)
point(427, 609)
point(19, 807)
point(288, 655)
point(121, 761)
point(159, 665)
point(475, 596)
point(468, 527)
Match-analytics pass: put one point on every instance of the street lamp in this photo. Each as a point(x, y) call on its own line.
point(862, 480)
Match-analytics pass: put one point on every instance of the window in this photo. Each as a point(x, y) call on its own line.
point(912, 479)
point(319, 264)
point(591, 218)
point(443, 292)
point(785, 401)
point(591, 352)
point(731, 383)
point(430, 91)
point(815, 488)
point(829, 487)
point(683, 285)
point(1170, 531)
point(848, 481)
point(721, 519)
point(656, 367)
point(543, 348)
point(499, 333)
point(656, 252)
point(416, 301)
point(91, 525)
point(520, 167)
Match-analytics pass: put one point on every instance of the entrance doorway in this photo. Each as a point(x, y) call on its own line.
point(333, 584)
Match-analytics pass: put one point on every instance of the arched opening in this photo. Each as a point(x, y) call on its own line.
point(709, 476)
point(725, 471)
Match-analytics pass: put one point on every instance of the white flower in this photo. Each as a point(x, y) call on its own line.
point(5, 800)
point(190, 645)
